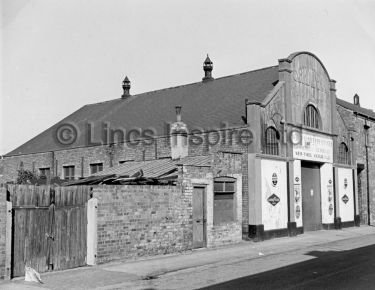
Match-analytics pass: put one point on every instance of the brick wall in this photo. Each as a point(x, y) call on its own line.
point(227, 165)
point(359, 156)
point(3, 217)
point(121, 152)
point(225, 234)
point(142, 220)
point(30, 162)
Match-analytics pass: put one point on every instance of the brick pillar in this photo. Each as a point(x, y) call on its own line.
point(92, 236)
point(256, 228)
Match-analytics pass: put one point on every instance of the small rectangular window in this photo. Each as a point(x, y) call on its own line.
point(219, 186)
point(45, 171)
point(224, 205)
point(69, 172)
point(96, 167)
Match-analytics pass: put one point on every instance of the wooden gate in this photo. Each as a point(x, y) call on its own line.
point(49, 227)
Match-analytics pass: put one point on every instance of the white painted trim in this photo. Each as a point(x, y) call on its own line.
point(327, 199)
point(92, 239)
point(8, 242)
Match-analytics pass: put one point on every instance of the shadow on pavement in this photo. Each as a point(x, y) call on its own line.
point(352, 269)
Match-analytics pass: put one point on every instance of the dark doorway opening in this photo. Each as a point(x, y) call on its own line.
point(311, 196)
point(360, 176)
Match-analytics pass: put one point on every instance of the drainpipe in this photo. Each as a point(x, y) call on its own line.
point(366, 126)
point(53, 173)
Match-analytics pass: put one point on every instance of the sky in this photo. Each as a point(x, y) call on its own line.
point(57, 56)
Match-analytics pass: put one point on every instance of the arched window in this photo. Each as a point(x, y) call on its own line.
point(311, 117)
point(343, 157)
point(272, 141)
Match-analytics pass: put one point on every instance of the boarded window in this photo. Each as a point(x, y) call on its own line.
point(69, 172)
point(224, 205)
point(96, 167)
point(272, 141)
point(311, 117)
point(343, 157)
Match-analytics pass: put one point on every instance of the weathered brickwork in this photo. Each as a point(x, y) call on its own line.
point(142, 220)
point(224, 234)
point(81, 158)
point(225, 164)
point(30, 162)
point(358, 145)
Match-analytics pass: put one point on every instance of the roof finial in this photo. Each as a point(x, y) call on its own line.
point(356, 100)
point(207, 67)
point(126, 88)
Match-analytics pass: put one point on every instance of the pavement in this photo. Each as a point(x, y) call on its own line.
point(202, 267)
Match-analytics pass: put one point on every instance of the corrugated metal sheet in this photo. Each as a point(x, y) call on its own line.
point(151, 169)
point(203, 161)
point(163, 169)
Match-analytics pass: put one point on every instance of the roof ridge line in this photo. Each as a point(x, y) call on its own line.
point(185, 85)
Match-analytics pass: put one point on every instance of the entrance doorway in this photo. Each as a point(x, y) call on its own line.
point(312, 218)
point(199, 219)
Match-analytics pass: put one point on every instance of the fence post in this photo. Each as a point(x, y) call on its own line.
point(8, 242)
point(5, 234)
point(92, 209)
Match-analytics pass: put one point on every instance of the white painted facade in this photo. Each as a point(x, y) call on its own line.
point(297, 193)
point(345, 194)
point(327, 195)
point(274, 186)
point(92, 236)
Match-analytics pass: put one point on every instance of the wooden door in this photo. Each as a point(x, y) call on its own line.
point(49, 228)
point(311, 207)
point(199, 221)
point(30, 245)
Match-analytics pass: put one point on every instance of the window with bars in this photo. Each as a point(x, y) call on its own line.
point(272, 141)
point(96, 167)
point(69, 172)
point(311, 117)
point(224, 202)
point(343, 157)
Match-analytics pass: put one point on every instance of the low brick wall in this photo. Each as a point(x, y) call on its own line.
point(225, 234)
point(142, 220)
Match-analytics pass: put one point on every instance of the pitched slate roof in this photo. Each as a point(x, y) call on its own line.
point(204, 105)
point(356, 109)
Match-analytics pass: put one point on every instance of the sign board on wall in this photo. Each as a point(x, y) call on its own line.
point(312, 147)
point(345, 192)
point(326, 190)
point(274, 195)
point(297, 193)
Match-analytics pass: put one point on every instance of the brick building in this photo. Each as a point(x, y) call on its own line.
point(306, 154)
